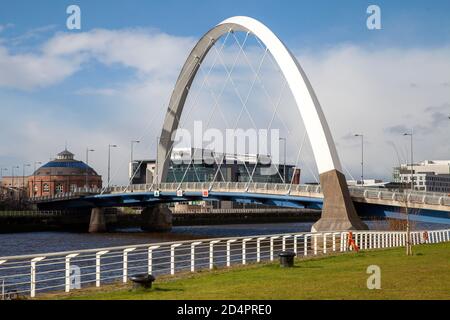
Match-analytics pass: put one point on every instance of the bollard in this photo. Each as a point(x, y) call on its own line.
point(287, 259)
point(142, 281)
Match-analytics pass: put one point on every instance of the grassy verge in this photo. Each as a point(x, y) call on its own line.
point(425, 275)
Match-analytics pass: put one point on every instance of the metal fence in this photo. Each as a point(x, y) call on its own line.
point(32, 274)
point(31, 214)
point(313, 191)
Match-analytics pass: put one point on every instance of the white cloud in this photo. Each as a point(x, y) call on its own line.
point(29, 71)
point(147, 52)
point(370, 91)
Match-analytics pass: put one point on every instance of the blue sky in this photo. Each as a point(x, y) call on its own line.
point(319, 22)
point(84, 87)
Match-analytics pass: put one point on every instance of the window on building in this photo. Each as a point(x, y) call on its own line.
point(46, 187)
point(59, 188)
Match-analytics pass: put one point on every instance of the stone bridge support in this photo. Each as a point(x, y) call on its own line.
point(98, 221)
point(156, 218)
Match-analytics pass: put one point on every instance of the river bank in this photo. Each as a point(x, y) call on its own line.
point(78, 221)
point(421, 276)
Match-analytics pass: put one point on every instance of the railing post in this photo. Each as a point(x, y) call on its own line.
point(125, 263)
point(172, 257)
point(325, 243)
point(363, 240)
point(33, 275)
point(374, 240)
point(258, 248)
point(284, 242)
point(342, 246)
point(295, 243)
point(305, 248)
point(334, 241)
point(244, 247)
point(68, 257)
point(315, 244)
point(97, 267)
point(211, 253)
point(150, 259)
point(3, 284)
point(229, 242)
point(193, 245)
point(271, 246)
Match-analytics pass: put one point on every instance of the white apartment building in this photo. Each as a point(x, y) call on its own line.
point(428, 175)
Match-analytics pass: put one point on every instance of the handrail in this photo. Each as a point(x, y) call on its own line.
point(29, 274)
point(419, 197)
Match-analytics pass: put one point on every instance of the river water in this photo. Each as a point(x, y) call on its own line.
point(45, 242)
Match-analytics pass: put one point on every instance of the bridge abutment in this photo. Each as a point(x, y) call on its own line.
point(338, 212)
point(157, 218)
point(97, 223)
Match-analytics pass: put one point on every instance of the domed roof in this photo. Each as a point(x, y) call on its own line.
point(65, 164)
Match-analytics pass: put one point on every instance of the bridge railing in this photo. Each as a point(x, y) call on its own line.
point(408, 196)
point(417, 197)
point(65, 271)
point(219, 186)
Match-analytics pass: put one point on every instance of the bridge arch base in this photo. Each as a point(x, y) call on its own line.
point(338, 211)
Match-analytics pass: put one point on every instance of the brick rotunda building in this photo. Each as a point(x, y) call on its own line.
point(64, 174)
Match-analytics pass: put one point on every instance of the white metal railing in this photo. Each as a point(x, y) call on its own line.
point(31, 274)
point(313, 191)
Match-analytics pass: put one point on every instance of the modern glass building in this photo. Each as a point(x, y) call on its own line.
point(191, 165)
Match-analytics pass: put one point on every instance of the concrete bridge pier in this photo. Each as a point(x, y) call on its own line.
point(156, 218)
point(338, 211)
point(98, 221)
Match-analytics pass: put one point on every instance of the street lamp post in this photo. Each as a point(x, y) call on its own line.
point(109, 161)
point(132, 144)
point(155, 180)
point(12, 174)
point(408, 230)
point(1, 171)
point(12, 177)
point(284, 160)
point(131, 158)
point(362, 157)
point(23, 177)
point(87, 166)
point(34, 177)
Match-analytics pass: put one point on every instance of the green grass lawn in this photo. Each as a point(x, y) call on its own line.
point(425, 275)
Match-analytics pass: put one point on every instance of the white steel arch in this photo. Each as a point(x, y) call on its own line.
point(338, 211)
point(322, 143)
